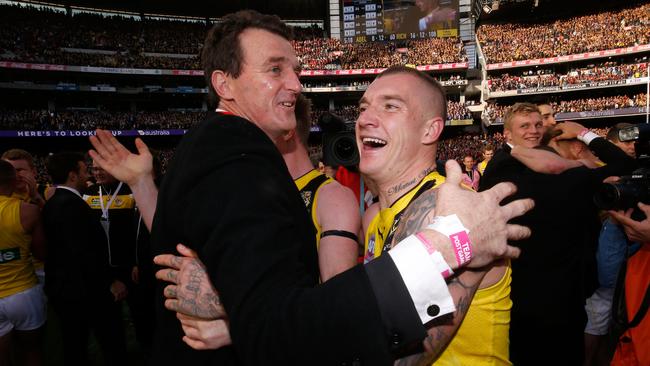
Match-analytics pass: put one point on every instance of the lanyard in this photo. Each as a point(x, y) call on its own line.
point(109, 203)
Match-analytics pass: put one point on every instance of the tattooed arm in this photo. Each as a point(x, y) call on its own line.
point(462, 286)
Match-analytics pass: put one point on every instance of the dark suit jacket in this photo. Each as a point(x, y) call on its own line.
point(76, 266)
point(554, 274)
point(229, 196)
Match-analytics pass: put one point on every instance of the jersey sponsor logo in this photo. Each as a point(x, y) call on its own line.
point(370, 253)
point(8, 255)
point(306, 197)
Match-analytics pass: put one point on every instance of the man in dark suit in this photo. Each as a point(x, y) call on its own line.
point(78, 282)
point(551, 279)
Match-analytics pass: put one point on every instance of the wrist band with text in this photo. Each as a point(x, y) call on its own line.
point(436, 257)
point(451, 227)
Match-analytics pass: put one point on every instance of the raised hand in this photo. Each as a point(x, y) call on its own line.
point(117, 160)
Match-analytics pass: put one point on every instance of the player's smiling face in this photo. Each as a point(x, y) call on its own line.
point(390, 126)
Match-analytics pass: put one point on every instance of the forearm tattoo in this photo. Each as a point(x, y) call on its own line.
point(417, 215)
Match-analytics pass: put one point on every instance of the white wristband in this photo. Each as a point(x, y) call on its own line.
point(436, 257)
point(453, 228)
point(587, 136)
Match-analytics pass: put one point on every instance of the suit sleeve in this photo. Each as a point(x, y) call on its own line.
point(276, 314)
point(618, 161)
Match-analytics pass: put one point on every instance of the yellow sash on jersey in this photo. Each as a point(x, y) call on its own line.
point(384, 224)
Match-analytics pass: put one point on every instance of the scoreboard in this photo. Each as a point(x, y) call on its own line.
point(363, 21)
point(388, 20)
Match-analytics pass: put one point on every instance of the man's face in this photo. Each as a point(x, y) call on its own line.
point(525, 130)
point(24, 173)
point(548, 117)
point(628, 147)
point(267, 88)
point(392, 122)
point(101, 175)
point(468, 161)
point(488, 154)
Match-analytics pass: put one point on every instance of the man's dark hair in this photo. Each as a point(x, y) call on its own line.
point(440, 103)
point(222, 49)
point(18, 154)
point(549, 134)
point(61, 164)
point(7, 174)
point(612, 134)
point(303, 119)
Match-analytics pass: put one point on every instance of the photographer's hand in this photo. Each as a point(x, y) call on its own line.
point(638, 231)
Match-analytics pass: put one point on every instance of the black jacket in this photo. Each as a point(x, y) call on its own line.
point(555, 272)
point(76, 264)
point(229, 196)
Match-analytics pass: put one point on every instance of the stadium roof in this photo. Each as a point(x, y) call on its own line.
point(285, 9)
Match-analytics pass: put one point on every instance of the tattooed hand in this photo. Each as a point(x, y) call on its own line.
point(190, 291)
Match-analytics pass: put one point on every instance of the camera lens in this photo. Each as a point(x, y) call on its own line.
point(344, 149)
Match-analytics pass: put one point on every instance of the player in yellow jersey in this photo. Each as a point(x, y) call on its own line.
point(29, 190)
point(22, 303)
point(332, 207)
point(488, 153)
point(402, 114)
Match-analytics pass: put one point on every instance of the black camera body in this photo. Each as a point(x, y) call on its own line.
point(630, 189)
point(339, 141)
point(626, 193)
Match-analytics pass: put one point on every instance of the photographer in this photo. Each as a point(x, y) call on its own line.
point(632, 346)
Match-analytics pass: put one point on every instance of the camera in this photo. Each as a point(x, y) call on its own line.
point(626, 193)
point(339, 141)
point(630, 189)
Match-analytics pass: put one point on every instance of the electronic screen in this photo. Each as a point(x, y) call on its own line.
point(390, 20)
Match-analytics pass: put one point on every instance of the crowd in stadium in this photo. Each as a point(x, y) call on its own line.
point(607, 71)
point(602, 31)
point(40, 120)
point(130, 42)
point(494, 111)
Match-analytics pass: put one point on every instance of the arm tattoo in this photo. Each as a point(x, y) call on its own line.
point(417, 215)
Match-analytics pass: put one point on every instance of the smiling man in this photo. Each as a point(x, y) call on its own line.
point(402, 115)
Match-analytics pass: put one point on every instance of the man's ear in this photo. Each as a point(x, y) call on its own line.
point(73, 176)
point(221, 84)
point(432, 131)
